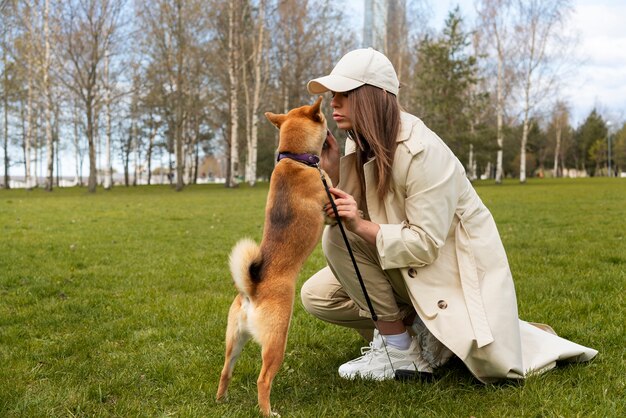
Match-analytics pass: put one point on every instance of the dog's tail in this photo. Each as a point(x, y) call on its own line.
point(245, 265)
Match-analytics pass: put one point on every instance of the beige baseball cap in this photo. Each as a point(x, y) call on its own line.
point(358, 67)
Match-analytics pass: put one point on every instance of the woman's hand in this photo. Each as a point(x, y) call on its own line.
point(329, 160)
point(351, 216)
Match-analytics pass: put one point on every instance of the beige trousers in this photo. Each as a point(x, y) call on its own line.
point(334, 293)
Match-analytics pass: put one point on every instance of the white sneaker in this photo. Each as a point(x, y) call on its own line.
point(376, 363)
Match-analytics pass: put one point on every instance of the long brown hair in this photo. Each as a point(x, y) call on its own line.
point(376, 125)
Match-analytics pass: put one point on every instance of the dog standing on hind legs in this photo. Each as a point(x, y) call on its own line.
point(266, 274)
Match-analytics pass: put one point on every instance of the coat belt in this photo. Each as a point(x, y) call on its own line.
point(471, 287)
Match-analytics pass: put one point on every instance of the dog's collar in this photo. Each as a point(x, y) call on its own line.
point(311, 160)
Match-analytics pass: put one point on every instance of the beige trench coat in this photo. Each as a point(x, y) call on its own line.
point(436, 230)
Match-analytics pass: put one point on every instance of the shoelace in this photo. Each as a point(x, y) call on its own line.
point(370, 350)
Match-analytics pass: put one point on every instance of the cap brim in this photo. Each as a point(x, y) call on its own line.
point(332, 82)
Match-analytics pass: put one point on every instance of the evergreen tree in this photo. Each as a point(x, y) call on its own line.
point(446, 83)
point(591, 138)
point(618, 149)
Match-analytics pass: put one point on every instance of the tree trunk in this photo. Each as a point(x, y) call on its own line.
point(150, 147)
point(527, 105)
point(29, 130)
point(108, 169)
point(251, 167)
point(180, 158)
point(196, 165)
point(557, 148)
point(126, 150)
point(47, 101)
point(170, 164)
point(233, 60)
point(499, 108)
point(6, 121)
point(92, 182)
point(77, 152)
point(522, 152)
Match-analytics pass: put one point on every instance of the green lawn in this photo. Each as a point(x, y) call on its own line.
point(115, 304)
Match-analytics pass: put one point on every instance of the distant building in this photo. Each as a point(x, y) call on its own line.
point(385, 29)
point(375, 24)
point(211, 168)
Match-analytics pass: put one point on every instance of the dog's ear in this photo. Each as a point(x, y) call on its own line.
point(316, 110)
point(276, 120)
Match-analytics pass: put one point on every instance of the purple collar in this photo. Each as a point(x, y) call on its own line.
point(311, 160)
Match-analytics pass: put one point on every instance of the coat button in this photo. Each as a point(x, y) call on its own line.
point(442, 304)
point(412, 273)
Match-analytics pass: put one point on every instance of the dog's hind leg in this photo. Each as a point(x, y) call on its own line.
point(236, 338)
point(273, 353)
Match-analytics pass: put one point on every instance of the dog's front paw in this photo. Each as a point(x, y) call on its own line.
point(329, 220)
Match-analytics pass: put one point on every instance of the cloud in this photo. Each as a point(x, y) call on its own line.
point(601, 80)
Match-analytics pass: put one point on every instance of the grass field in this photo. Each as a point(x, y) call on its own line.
point(115, 304)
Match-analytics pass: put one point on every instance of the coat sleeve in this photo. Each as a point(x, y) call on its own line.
point(433, 184)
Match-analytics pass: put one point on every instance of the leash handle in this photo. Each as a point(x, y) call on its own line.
point(345, 239)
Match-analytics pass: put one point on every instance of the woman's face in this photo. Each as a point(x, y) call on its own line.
point(341, 110)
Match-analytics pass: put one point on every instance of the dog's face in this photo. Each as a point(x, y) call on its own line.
point(302, 130)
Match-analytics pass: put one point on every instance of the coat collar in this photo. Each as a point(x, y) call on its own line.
point(407, 122)
point(411, 128)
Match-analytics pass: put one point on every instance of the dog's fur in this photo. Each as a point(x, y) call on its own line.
point(266, 275)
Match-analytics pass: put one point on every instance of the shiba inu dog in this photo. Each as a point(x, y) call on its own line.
point(265, 274)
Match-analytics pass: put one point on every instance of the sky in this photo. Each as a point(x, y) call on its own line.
point(599, 81)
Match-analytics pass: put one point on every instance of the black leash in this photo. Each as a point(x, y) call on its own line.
point(345, 239)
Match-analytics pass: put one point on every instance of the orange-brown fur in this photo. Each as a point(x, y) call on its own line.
point(265, 275)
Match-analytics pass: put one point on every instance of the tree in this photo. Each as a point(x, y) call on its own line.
point(589, 138)
point(538, 27)
point(87, 33)
point(174, 33)
point(480, 106)
point(108, 169)
point(27, 60)
point(538, 147)
point(446, 82)
point(233, 79)
point(559, 129)
point(37, 25)
point(258, 48)
point(495, 23)
point(619, 149)
point(5, 99)
point(47, 97)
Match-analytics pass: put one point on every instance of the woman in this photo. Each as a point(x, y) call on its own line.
point(427, 248)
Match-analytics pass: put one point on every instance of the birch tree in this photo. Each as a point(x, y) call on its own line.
point(28, 59)
point(494, 22)
point(173, 30)
point(233, 69)
point(559, 125)
point(47, 98)
point(5, 102)
point(538, 27)
point(78, 149)
point(108, 168)
point(88, 30)
point(252, 131)
point(33, 55)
